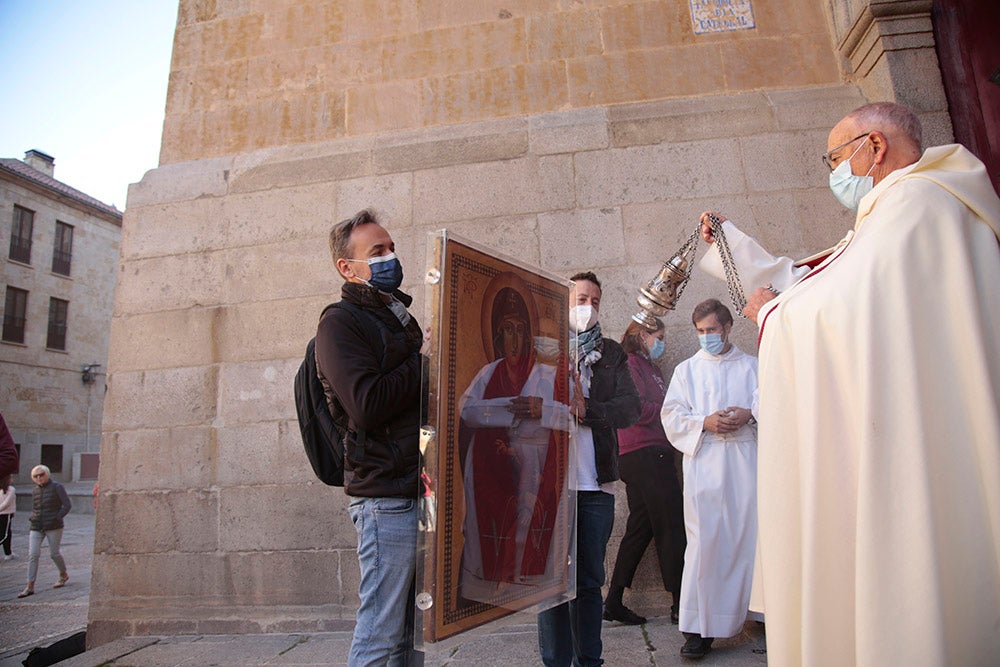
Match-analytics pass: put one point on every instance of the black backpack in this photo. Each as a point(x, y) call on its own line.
point(323, 432)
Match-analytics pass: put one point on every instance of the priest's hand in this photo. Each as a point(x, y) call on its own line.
point(706, 226)
point(760, 296)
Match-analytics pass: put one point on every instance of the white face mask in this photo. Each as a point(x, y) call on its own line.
point(546, 348)
point(582, 318)
point(847, 187)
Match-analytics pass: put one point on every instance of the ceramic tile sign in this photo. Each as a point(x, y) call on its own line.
point(721, 15)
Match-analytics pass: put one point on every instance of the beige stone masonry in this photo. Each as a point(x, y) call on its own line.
point(256, 75)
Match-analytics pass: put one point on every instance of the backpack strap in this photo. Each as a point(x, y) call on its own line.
point(373, 330)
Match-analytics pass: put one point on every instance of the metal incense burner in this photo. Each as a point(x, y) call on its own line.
point(661, 293)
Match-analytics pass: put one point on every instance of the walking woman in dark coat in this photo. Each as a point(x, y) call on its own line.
point(50, 503)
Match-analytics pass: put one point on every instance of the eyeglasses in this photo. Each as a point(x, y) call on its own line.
point(40, 474)
point(828, 156)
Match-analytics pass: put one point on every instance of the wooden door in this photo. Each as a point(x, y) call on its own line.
point(968, 46)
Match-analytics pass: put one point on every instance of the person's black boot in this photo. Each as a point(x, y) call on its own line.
point(696, 646)
point(619, 612)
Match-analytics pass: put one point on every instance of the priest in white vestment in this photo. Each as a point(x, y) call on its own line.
point(707, 415)
point(879, 468)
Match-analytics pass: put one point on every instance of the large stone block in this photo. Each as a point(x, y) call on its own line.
point(278, 215)
point(817, 108)
point(165, 283)
point(569, 131)
point(646, 25)
point(512, 187)
point(787, 160)
point(285, 515)
point(297, 166)
point(778, 62)
point(516, 237)
point(634, 76)
point(454, 145)
point(294, 268)
point(389, 195)
point(673, 121)
point(147, 522)
point(173, 228)
point(183, 181)
point(276, 577)
point(650, 173)
point(257, 391)
point(655, 231)
point(592, 237)
point(160, 399)
point(165, 339)
point(170, 578)
point(494, 93)
point(147, 459)
point(382, 107)
point(564, 35)
point(447, 50)
point(265, 330)
point(264, 453)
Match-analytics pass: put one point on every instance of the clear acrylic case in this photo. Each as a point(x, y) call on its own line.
point(498, 504)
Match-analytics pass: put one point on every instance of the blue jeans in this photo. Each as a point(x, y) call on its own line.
point(387, 542)
point(571, 632)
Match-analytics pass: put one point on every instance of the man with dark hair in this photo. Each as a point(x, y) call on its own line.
point(879, 471)
point(378, 384)
point(604, 400)
point(707, 416)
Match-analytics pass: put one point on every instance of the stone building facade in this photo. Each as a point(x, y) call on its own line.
point(569, 134)
point(60, 268)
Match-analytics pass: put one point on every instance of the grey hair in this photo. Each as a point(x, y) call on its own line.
point(43, 468)
point(877, 115)
point(340, 234)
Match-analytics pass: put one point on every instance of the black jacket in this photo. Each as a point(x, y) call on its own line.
point(49, 504)
point(378, 384)
point(613, 404)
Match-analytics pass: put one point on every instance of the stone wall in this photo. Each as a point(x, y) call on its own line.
point(250, 75)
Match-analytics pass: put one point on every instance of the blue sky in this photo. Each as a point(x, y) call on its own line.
point(86, 82)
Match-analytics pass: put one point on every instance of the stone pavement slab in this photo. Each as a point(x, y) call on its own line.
point(50, 615)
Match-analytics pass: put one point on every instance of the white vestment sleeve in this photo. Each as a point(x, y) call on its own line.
point(755, 265)
point(684, 428)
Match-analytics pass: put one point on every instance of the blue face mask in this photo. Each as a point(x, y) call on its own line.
point(387, 272)
point(711, 343)
point(657, 350)
point(847, 187)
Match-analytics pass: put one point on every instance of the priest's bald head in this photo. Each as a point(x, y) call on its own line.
point(877, 138)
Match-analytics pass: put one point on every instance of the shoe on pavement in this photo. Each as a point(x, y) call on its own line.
point(10, 556)
point(28, 590)
point(696, 647)
point(63, 578)
point(622, 614)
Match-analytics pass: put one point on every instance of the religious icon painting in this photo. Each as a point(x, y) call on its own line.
point(496, 505)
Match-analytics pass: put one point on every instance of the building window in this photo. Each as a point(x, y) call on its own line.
point(52, 457)
point(62, 251)
point(20, 234)
point(14, 312)
point(58, 315)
